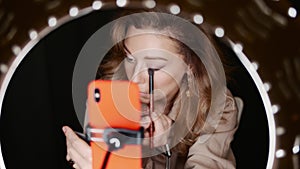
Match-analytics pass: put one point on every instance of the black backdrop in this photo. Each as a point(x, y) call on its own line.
point(38, 102)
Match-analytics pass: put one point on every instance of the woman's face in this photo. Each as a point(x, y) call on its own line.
point(149, 50)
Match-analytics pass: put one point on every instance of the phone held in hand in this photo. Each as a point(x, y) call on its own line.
point(114, 131)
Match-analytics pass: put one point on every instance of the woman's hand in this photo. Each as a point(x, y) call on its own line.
point(162, 124)
point(77, 150)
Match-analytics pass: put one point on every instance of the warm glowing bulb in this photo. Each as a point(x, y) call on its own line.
point(52, 21)
point(292, 12)
point(255, 65)
point(296, 149)
point(238, 48)
point(267, 86)
point(33, 34)
point(121, 3)
point(219, 32)
point(175, 9)
point(280, 153)
point(16, 49)
point(3, 68)
point(198, 19)
point(275, 109)
point(73, 11)
point(97, 5)
point(150, 4)
point(280, 131)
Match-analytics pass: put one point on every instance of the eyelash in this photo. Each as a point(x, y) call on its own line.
point(130, 60)
point(155, 67)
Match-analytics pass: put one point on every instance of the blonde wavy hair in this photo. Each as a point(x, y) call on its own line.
point(199, 103)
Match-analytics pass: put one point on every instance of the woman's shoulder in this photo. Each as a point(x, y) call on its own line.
point(229, 115)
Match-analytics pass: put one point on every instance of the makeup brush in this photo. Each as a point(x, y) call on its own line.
point(151, 105)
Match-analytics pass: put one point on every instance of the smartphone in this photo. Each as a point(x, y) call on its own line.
point(114, 130)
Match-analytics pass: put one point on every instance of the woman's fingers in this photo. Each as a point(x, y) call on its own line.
point(74, 141)
point(162, 124)
point(75, 157)
point(77, 150)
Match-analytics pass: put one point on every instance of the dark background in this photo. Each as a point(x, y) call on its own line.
point(268, 35)
point(38, 102)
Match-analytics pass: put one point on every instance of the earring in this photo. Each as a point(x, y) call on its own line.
point(189, 81)
point(188, 94)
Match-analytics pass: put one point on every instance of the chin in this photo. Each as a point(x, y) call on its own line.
point(144, 101)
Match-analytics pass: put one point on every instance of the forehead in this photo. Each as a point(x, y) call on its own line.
point(145, 39)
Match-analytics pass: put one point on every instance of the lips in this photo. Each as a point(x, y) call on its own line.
point(144, 98)
point(144, 95)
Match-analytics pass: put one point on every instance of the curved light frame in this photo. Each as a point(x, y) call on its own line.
point(266, 101)
point(109, 5)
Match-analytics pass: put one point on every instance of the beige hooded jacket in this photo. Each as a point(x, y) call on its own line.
point(210, 151)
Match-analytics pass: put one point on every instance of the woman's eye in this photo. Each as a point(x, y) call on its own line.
point(130, 59)
point(155, 67)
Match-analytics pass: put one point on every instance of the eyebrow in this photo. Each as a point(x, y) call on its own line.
point(147, 57)
point(155, 58)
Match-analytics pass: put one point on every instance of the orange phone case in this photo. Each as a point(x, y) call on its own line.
point(112, 107)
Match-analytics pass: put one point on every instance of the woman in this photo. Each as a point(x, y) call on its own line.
point(194, 112)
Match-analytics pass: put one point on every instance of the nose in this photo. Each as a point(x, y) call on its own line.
point(140, 75)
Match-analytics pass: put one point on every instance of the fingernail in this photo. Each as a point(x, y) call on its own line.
point(64, 129)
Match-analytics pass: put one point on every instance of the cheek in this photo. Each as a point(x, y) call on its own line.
point(173, 76)
point(161, 79)
point(166, 84)
point(128, 70)
point(175, 71)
